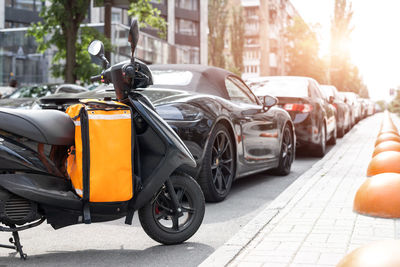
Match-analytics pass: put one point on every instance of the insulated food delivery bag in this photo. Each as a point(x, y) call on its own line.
point(100, 164)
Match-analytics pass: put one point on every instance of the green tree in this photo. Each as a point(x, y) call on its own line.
point(61, 28)
point(236, 29)
point(343, 74)
point(217, 24)
point(61, 19)
point(148, 16)
point(302, 48)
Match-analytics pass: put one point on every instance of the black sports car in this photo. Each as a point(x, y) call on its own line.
point(228, 130)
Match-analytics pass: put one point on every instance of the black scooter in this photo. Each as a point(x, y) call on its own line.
point(34, 186)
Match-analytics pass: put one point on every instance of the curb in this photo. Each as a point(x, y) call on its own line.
point(232, 248)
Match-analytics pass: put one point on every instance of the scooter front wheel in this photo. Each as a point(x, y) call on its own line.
point(163, 223)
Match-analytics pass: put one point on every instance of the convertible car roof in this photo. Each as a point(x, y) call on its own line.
point(211, 80)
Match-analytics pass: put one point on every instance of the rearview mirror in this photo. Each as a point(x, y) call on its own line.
point(133, 35)
point(96, 48)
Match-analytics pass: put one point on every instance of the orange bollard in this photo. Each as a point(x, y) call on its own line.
point(386, 146)
point(377, 254)
point(387, 137)
point(388, 122)
point(388, 161)
point(388, 130)
point(379, 196)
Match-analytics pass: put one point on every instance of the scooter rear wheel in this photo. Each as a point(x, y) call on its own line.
point(162, 224)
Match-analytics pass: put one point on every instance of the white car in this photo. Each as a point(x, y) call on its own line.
point(6, 90)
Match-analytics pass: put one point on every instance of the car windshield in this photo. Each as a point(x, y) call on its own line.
point(328, 90)
point(32, 92)
point(281, 87)
point(172, 77)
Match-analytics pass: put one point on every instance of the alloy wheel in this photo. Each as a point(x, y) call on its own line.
point(287, 149)
point(222, 162)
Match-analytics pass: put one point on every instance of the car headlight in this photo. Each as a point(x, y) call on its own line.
point(179, 112)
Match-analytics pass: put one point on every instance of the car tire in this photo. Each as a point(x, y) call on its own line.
point(332, 140)
point(218, 166)
point(286, 154)
point(320, 149)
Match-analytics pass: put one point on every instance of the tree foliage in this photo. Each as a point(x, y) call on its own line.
point(343, 74)
point(302, 49)
point(148, 16)
point(217, 24)
point(236, 29)
point(61, 28)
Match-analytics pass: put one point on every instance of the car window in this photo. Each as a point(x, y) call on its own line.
point(245, 89)
point(32, 91)
point(315, 90)
point(235, 93)
point(282, 88)
point(172, 77)
point(328, 90)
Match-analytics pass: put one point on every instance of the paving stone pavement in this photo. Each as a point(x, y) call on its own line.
point(312, 223)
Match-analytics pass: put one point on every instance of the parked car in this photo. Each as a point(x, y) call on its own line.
point(355, 105)
point(6, 90)
point(349, 103)
point(229, 131)
point(312, 114)
point(343, 120)
point(24, 97)
point(371, 107)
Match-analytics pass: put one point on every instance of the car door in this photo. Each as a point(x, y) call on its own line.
point(260, 136)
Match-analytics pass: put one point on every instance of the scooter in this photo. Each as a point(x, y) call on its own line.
point(34, 185)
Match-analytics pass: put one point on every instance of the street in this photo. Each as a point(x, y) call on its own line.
point(117, 244)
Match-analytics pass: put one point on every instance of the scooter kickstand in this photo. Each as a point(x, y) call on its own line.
point(17, 244)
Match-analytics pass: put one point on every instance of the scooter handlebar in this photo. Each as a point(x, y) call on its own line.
point(96, 78)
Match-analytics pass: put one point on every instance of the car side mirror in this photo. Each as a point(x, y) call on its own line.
point(269, 101)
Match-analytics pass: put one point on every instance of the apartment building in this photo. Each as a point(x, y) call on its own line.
point(186, 37)
point(264, 51)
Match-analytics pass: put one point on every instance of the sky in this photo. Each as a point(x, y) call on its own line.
point(375, 41)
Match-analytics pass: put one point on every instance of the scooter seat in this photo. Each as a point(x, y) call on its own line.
point(44, 126)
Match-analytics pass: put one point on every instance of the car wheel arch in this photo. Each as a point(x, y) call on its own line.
point(225, 121)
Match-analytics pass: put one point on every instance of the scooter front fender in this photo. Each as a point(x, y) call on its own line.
point(174, 154)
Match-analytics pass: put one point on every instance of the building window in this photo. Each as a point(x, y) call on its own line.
point(116, 17)
point(162, 2)
point(186, 27)
point(187, 4)
point(13, 24)
point(31, 5)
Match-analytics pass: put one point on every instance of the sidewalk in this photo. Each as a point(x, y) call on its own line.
point(312, 223)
